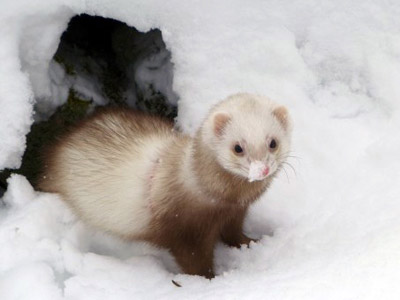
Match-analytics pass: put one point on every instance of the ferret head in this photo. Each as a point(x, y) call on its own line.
point(249, 135)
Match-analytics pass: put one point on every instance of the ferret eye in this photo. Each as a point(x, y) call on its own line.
point(238, 149)
point(273, 144)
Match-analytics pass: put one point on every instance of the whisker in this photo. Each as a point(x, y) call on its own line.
point(289, 154)
point(293, 156)
point(288, 164)
point(287, 176)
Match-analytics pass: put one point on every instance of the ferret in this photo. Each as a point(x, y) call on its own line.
point(132, 175)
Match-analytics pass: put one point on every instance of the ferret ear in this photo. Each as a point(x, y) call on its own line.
point(220, 121)
point(281, 113)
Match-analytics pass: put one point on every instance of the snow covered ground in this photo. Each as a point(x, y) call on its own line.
point(330, 230)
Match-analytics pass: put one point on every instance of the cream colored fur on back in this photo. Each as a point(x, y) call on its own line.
point(115, 191)
point(103, 172)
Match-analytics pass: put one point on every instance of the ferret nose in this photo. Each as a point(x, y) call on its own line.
point(266, 171)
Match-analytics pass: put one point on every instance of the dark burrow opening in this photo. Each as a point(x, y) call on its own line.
point(102, 62)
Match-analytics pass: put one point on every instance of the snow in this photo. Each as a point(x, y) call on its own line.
point(329, 229)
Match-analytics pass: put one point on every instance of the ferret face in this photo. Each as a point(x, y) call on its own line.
point(250, 137)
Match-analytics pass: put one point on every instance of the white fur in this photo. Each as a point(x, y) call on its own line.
point(256, 171)
point(252, 125)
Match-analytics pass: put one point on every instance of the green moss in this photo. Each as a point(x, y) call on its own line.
point(112, 82)
point(156, 104)
point(87, 68)
point(73, 110)
point(69, 69)
point(43, 133)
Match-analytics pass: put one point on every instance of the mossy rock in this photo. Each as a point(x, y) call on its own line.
point(43, 133)
point(156, 104)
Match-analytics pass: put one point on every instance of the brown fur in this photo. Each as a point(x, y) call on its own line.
point(192, 225)
point(188, 223)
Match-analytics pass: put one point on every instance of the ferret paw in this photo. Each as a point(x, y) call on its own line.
point(245, 240)
point(238, 241)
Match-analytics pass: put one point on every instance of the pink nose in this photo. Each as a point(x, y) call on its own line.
point(266, 171)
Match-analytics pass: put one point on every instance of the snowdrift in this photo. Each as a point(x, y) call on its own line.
point(330, 228)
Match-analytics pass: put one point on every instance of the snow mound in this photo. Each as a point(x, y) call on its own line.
point(329, 229)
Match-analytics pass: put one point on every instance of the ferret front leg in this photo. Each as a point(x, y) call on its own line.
point(232, 231)
point(195, 259)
